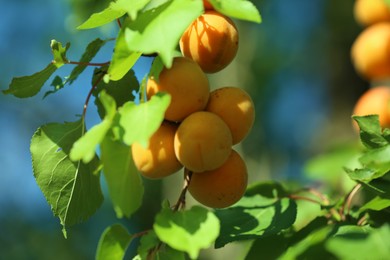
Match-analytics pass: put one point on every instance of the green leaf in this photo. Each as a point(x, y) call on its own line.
point(158, 30)
point(111, 13)
point(113, 243)
point(253, 217)
point(354, 242)
point(189, 231)
point(268, 189)
point(376, 163)
point(132, 7)
point(124, 183)
point(119, 90)
point(150, 242)
point(89, 53)
point(156, 68)
point(141, 121)
point(28, 86)
point(84, 148)
point(363, 175)
point(370, 131)
point(123, 58)
point(329, 166)
point(59, 53)
point(380, 187)
point(265, 245)
point(311, 241)
point(377, 204)
point(71, 188)
point(240, 9)
point(377, 159)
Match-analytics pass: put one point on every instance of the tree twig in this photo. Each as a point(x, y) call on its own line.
point(182, 197)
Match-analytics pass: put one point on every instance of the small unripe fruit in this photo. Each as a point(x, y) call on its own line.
point(158, 160)
point(371, 52)
point(202, 142)
point(211, 40)
point(368, 12)
point(236, 109)
point(374, 101)
point(222, 187)
point(186, 83)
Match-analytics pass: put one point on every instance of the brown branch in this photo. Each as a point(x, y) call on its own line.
point(89, 63)
point(182, 198)
point(90, 94)
point(119, 23)
point(348, 201)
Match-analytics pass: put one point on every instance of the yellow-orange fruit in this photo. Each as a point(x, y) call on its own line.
point(236, 108)
point(158, 160)
point(186, 83)
point(207, 5)
point(211, 40)
point(368, 12)
point(202, 142)
point(222, 187)
point(371, 52)
point(374, 101)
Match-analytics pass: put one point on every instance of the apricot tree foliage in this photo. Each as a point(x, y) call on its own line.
point(67, 158)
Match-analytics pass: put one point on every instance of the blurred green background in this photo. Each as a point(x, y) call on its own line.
point(295, 65)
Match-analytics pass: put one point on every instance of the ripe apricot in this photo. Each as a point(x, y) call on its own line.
point(207, 5)
point(222, 187)
point(371, 52)
point(236, 108)
point(202, 142)
point(211, 40)
point(368, 12)
point(158, 160)
point(187, 85)
point(374, 101)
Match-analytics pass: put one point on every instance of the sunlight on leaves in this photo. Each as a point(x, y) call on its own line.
point(113, 243)
point(111, 13)
point(139, 122)
point(240, 9)
point(123, 58)
point(158, 31)
point(189, 231)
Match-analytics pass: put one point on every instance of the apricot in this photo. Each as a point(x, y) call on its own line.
point(376, 100)
point(211, 40)
point(222, 187)
point(158, 159)
point(207, 5)
point(202, 142)
point(368, 12)
point(186, 83)
point(236, 109)
point(370, 52)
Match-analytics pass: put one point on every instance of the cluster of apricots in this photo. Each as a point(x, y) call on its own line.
point(201, 126)
point(371, 58)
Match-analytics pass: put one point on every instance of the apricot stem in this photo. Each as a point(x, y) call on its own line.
point(180, 204)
